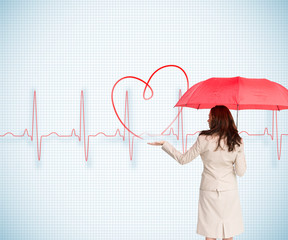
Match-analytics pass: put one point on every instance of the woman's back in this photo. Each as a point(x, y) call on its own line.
point(219, 171)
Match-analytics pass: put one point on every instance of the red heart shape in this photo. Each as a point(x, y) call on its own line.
point(146, 85)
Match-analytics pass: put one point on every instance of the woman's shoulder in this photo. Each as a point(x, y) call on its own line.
point(209, 137)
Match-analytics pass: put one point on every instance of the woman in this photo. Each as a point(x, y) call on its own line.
point(222, 153)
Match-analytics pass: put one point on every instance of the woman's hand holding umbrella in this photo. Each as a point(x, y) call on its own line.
point(157, 143)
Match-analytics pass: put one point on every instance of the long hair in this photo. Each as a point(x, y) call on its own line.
point(222, 124)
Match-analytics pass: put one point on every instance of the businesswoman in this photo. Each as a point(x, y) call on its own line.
point(222, 153)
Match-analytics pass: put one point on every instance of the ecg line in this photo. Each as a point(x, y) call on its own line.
point(126, 114)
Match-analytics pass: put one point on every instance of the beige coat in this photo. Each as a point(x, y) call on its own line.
point(219, 210)
point(220, 167)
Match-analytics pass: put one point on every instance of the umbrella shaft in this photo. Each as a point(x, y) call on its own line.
point(237, 118)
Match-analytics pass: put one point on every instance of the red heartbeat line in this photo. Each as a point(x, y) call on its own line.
point(86, 149)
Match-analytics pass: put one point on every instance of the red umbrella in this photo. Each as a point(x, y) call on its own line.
point(236, 93)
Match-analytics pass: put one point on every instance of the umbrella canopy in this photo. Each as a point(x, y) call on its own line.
point(236, 93)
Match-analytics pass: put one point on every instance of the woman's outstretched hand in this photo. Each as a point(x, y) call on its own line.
point(157, 143)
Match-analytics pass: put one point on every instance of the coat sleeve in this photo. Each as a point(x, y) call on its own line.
point(240, 161)
point(188, 156)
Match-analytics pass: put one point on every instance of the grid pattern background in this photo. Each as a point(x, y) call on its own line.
point(59, 48)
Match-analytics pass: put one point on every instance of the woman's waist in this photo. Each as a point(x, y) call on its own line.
point(222, 184)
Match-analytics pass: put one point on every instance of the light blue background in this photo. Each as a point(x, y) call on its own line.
point(59, 48)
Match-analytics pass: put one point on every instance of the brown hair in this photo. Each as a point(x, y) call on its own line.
point(222, 124)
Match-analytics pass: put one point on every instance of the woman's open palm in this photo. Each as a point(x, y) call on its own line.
point(157, 143)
